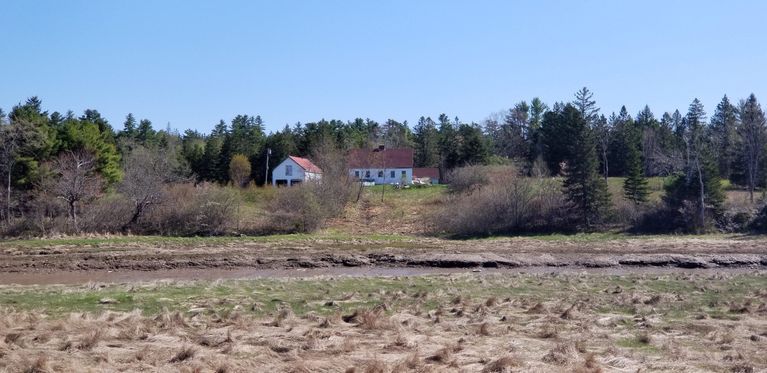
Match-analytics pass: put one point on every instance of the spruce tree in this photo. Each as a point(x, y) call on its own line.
point(752, 132)
point(129, 126)
point(723, 128)
point(426, 143)
point(583, 185)
point(635, 185)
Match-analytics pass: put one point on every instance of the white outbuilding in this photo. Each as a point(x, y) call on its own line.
point(294, 170)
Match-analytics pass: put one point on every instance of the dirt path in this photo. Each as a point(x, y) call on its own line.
point(131, 262)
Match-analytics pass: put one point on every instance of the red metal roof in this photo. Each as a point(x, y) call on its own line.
point(306, 164)
point(430, 172)
point(386, 158)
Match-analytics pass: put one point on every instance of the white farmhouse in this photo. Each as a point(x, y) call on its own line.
point(381, 165)
point(295, 170)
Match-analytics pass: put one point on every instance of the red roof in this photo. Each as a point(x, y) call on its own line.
point(430, 172)
point(386, 158)
point(306, 164)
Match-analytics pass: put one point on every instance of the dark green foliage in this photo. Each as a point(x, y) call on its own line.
point(620, 124)
point(752, 133)
point(426, 143)
point(584, 188)
point(635, 185)
point(84, 134)
point(448, 139)
point(473, 148)
point(724, 137)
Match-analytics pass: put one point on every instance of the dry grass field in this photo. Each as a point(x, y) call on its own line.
point(685, 322)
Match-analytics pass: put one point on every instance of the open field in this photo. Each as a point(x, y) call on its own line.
point(455, 323)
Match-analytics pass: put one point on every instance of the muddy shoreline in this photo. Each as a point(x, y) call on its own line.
point(418, 255)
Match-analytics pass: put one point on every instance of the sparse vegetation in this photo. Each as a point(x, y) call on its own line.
point(650, 321)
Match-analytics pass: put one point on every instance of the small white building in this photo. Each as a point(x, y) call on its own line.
point(294, 170)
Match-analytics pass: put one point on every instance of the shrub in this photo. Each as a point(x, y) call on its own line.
point(508, 204)
point(759, 223)
point(193, 210)
point(466, 179)
point(296, 209)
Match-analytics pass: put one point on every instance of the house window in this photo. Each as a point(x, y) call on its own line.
point(357, 174)
point(404, 173)
point(380, 173)
point(391, 175)
point(367, 174)
point(288, 170)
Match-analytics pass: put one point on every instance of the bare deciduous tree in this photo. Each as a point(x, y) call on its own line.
point(77, 181)
point(147, 171)
point(603, 130)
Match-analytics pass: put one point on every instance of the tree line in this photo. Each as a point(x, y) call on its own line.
point(67, 155)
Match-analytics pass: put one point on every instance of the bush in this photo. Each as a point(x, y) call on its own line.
point(189, 210)
point(296, 209)
point(467, 179)
point(507, 204)
point(759, 223)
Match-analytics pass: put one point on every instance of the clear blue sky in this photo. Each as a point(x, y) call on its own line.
point(192, 63)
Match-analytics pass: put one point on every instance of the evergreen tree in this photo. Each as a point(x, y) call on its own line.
point(535, 137)
point(82, 134)
point(473, 147)
point(426, 143)
point(448, 139)
point(635, 185)
point(586, 105)
point(514, 132)
point(554, 133)
point(192, 150)
point(129, 127)
point(723, 128)
point(145, 134)
point(583, 185)
point(753, 137)
point(620, 124)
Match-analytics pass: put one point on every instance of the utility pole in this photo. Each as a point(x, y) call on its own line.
point(266, 176)
point(383, 187)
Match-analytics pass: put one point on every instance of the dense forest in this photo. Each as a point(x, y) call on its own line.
point(60, 162)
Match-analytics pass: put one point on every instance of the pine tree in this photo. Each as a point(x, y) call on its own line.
point(129, 126)
point(145, 134)
point(448, 139)
point(635, 185)
point(723, 128)
point(583, 185)
point(473, 147)
point(586, 105)
point(426, 143)
point(753, 137)
point(514, 132)
point(535, 137)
